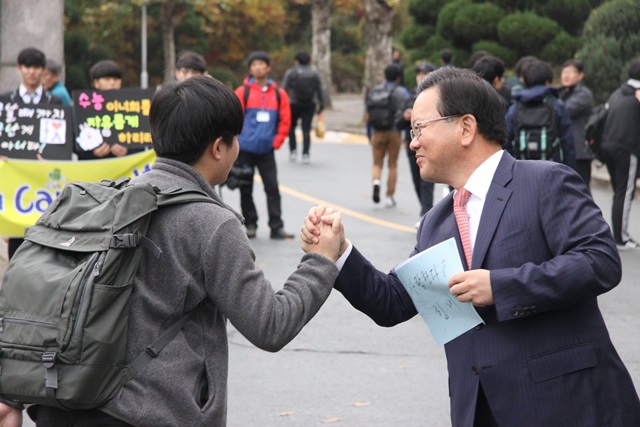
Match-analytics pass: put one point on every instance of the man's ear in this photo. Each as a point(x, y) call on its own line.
point(216, 148)
point(469, 127)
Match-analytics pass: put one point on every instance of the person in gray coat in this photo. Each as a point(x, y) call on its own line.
point(578, 101)
point(208, 267)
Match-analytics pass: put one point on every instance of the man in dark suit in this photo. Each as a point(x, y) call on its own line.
point(540, 254)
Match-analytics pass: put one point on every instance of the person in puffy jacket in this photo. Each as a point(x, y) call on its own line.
point(267, 118)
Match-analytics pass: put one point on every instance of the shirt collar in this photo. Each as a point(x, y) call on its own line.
point(480, 180)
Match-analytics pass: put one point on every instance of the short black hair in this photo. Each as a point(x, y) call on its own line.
point(634, 69)
point(522, 62)
point(576, 63)
point(191, 60)
point(32, 57)
point(462, 91)
point(303, 58)
point(392, 73)
point(105, 68)
point(536, 73)
point(489, 67)
point(186, 116)
point(258, 55)
point(445, 55)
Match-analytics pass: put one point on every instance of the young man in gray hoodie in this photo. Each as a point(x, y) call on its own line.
point(207, 267)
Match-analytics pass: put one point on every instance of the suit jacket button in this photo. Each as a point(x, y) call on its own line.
point(515, 313)
point(474, 370)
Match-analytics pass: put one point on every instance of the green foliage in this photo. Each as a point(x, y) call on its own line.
point(603, 62)
point(496, 49)
point(415, 36)
point(611, 42)
point(425, 11)
point(477, 21)
point(526, 32)
point(226, 75)
point(345, 36)
point(446, 17)
point(561, 48)
point(569, 14)
point(347, 72)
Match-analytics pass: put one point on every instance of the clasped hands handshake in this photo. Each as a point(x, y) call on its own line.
point(323, 233)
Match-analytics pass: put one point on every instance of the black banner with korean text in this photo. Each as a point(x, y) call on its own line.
point(28, 130)
point(112, 116)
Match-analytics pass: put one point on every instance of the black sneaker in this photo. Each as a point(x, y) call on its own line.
point(376, 192)
point(280, 234)
point(251, 231)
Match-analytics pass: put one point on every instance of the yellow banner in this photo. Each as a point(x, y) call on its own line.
point(27, 187)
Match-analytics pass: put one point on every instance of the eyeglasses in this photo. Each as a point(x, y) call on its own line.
point(417, 128)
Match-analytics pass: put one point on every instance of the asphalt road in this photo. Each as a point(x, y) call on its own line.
point(343, 368)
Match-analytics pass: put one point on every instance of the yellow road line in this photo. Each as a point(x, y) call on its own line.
point(346, 211)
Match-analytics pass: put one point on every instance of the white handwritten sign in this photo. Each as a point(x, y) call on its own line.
point(425, 276)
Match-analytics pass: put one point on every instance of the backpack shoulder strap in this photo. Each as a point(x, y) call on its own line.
point(246, 96)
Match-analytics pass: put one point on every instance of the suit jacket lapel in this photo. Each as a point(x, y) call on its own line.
point(494, 206)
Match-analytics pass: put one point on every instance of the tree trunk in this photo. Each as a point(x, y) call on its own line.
point(379, 20)
point(169, 24)
point(321, 41)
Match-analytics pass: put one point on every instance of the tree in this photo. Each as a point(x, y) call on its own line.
point(321, 44)
point(611, 42)
point(379, 20)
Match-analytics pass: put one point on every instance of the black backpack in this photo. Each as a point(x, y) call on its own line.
point(536, 133)
point(64, 301)
point(302, 83)
point(380, 107)
point(594, 129)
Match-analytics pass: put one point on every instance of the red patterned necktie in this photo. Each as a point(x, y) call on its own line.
point(462, 219)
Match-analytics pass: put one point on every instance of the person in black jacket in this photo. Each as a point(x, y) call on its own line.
point(31, 65)
point(578, 100)
point(620, 151)
point(424, 189)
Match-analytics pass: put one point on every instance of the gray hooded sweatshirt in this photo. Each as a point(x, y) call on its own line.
point(207, 266)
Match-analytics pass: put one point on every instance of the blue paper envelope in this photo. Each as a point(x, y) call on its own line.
point(425, 276)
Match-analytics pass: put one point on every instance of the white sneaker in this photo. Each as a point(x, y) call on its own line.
point(628, 245)
point(389, 202)
point(293, 156)
point(305, 159)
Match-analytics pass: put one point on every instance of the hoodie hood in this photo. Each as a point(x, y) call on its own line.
point(535, 93)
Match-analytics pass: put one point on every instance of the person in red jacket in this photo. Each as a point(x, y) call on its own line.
point(267, 118)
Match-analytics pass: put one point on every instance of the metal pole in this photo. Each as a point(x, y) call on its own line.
point(144, 75)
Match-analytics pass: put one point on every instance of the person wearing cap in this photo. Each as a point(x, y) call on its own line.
point(190, 64)
point(50, 79)
point(267, 118)
point(424, 189)
point(107, 75)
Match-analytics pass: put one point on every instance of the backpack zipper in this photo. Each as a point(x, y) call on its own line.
point(85, 295)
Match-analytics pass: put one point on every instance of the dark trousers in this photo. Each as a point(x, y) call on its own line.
point(54, 417)
point(583, 167)
point(266, 164)
point(623, 169)
point(424, 189)
point(304, 112)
